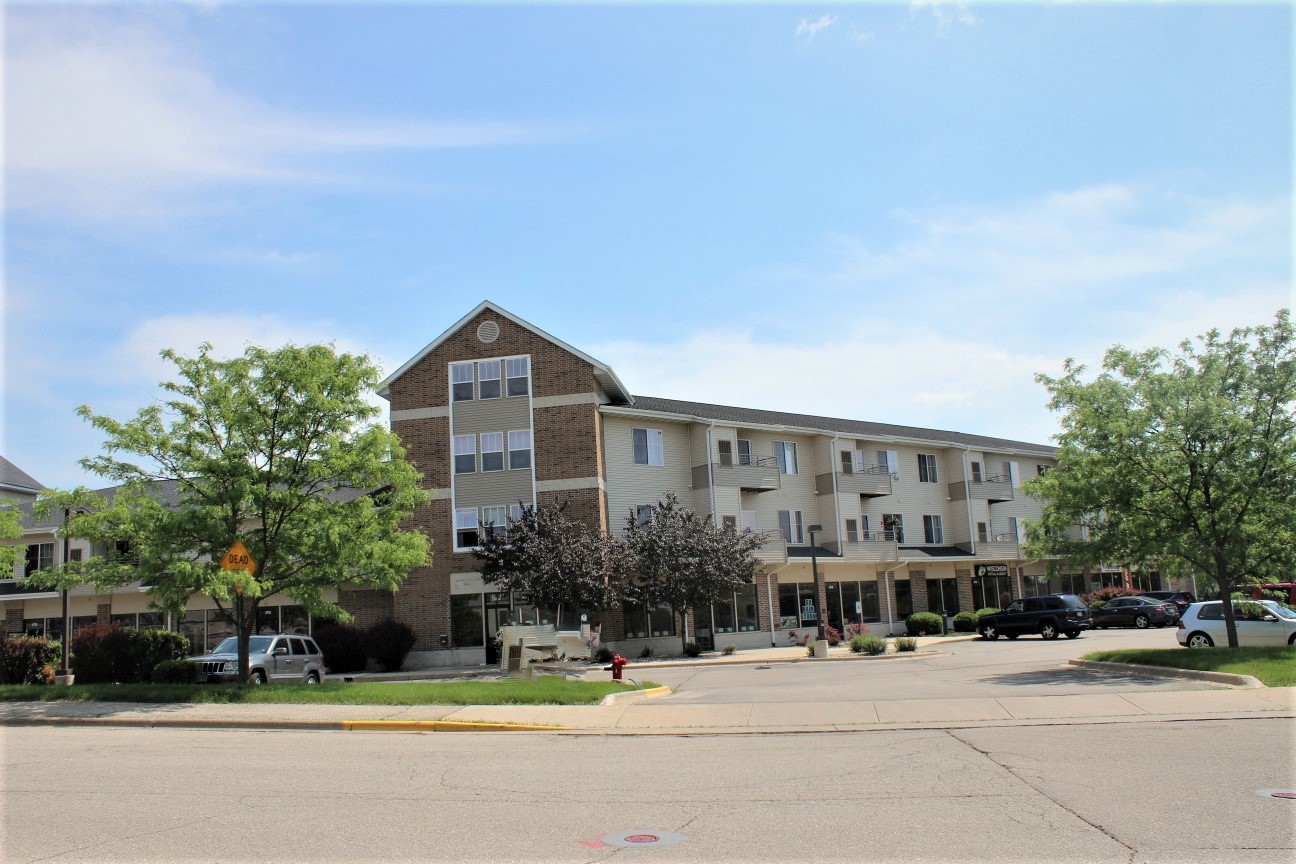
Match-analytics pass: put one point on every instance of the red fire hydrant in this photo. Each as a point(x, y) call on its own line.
point(618, 662)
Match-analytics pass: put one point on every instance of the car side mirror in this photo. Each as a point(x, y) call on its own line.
point(281, 649)
point(1269, 618)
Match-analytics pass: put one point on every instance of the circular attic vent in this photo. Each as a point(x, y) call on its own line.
point(488, 331)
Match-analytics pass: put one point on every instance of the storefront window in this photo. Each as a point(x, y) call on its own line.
point(722, 612)
point(152, 621)
point(466, 621)
point(636, 620)
point(747, 615)
point(219, 627)
point(294, 619)
point(267, 619)
point(904, 600)
point(789, 616)
point(81, 621)
point(662, 621)
point(125, 621)
point(807, 603)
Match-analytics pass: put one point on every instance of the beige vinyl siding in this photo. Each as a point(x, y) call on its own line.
point(911, 499)
point(798, 490)
point(492, 415)
point(630, 485)
point(698, 442)
point(1023, 507)
point(492, 489)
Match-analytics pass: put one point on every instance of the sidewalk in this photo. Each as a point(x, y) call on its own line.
point(636, 713)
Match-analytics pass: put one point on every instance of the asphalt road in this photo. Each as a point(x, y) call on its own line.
point(1134, 792)
point(1028, 666)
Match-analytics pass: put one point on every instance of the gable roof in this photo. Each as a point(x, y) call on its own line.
point(13, 477)
point(603, 373)
point(860, 428)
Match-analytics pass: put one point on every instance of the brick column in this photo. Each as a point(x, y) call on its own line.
point(918, 590)
point(13, 624)
point(967, 603)
point(104, 613)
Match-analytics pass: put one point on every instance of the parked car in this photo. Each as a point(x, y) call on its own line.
point(276, 657)
point(1259, 622)
point(1048, 616)
point(1181, 599)
point(1140, 612)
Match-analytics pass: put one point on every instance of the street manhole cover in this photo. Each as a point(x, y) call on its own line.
point(1288, 794)
point(641, 837)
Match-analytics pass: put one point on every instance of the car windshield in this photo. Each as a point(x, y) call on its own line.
point(1282, 611)
point(256, 645)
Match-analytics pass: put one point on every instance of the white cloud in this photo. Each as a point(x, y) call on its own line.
point(810, 29)
point(946, 325)
point(945, 12)
point(106, 120)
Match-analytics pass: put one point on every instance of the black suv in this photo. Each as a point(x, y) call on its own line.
point(1048, 616)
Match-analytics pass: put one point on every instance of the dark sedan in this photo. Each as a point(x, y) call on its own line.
point(1140, 612)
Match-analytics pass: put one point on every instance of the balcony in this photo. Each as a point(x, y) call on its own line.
point(750, 474)
point(773, 550)
point(992, 488)
point(871, 546)
point(870, 481)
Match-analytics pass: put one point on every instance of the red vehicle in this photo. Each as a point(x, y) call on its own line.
point(1269, 589)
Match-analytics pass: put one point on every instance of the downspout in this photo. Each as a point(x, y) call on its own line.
point(769, 593)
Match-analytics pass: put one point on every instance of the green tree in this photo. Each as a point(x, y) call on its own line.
point(686, 561)
point(1188, 457)
point(554, 560)
point(273, 448)
point(10, 529)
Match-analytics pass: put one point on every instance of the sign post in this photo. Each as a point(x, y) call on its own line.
point(237, 558)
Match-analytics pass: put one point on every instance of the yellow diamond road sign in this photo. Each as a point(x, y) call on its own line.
point(237, 558)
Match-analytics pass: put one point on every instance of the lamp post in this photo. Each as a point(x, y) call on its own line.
point(66, 662)
point(814, 570)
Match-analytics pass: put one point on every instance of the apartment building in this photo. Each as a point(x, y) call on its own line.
point(496, 414)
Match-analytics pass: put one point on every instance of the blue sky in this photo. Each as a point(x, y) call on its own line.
point(891, 212)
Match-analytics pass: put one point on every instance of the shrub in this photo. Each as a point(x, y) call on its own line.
point(833, 635)
point(1102, 595)
point(928, 623)
point(389, 642)
point(853, 630)
point(23, 659)
point(342, 646)
point(112, 654)
point(867, 643)
point(809, 646)
point(692, 649)
point(965, 622)
point(176, 672)
point(603, 655)
point(646, 652)
point(906, 643)
point(727, 650)
point(989, 610)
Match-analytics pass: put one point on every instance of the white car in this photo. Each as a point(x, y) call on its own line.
point(1259, 622)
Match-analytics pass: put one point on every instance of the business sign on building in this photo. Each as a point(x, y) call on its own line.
point(991, 570)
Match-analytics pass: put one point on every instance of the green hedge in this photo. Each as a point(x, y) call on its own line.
point(23, 659)
point(176, 672)
point(112, 654)
point(928, 623)
point(868, 644)
point(965, 622)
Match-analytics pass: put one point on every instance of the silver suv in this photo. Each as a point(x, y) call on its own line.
point(278, 657)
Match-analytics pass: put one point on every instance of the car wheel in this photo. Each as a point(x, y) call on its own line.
point(1199, 640)
point(1073, 634)
point(312, 678)
point(256, 677)
point(1048, 630)
point(1141, 622)
point(1292, 640)
point(989, 632)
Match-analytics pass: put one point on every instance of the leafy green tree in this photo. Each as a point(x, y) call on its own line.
point(273, 448)
point(554, 560)
point(1184, 458)
point(10, 529)
point(686, 561)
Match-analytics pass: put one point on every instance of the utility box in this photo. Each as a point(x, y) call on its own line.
point(513, 659)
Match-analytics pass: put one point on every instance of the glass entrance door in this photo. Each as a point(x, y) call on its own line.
point(498, 613)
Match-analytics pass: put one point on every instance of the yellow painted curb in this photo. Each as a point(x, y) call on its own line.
point(441, 726)
point(654, 692)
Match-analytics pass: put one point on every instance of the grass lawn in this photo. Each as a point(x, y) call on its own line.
point(543, 690)
point(1274, 667)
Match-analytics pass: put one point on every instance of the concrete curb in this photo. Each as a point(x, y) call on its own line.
point(720, 664)
point(1246, 682)
point(635, 695)
point(443, 726)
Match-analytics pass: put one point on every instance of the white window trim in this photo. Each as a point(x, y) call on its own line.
point(461, 515)
point(483, 451)
point(482, 377)
point(508, 462)
point(784, 464)
point(654, 447)
point(457, 452)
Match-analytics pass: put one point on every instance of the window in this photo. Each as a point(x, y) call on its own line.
point(492, 451)
point(889, 462)
point(744, 452)
point(904, 600)
point(495, 520)
point(729, 522)
point(466, 528)
point(461, 382)
point(466, 620)
point(642, 622)
point(983, 532)
point(1041, 470)
point(792, 526)
point(789, 614)
point(725, 451)
point(518, 372)
point(847, 462)
point(852, 531)
point(465, 454)
point(1010, 469)
point(927, 468)
point(932, 532)
point(893, 526)
point(488, 379)
point(40, 556)
point(976, 472)
point(745, 600)
point(647, 445)
point(519, 446)
point(785, 454)
point(643, 515)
